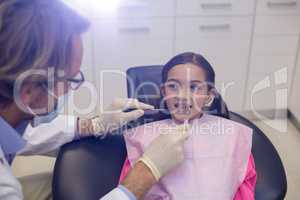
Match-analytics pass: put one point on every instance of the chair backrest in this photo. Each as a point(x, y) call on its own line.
point(88, 168)
point(271, 177)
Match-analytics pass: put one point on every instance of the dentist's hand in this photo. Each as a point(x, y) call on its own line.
point(162, 155)
point(166, 151)
point(113, 117)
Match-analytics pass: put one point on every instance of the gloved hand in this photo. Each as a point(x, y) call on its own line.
point(166, 151)
point(114, 117)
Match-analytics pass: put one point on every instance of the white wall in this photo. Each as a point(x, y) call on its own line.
point(294, 101)
point(249, 43)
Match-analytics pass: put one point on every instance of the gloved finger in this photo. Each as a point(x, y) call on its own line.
point(184, 135)
point(126, 117)
point(123, 104)
point(134, 103)
point(120, 103)
point(183, 132)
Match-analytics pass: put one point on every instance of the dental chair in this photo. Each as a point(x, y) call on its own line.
point(90, 168)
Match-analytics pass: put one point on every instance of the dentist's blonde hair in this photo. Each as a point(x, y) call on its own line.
point(35, 34)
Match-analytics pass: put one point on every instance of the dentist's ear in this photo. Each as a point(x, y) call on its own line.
point(28, 94)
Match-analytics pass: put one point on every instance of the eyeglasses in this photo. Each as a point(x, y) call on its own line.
point(75, 82)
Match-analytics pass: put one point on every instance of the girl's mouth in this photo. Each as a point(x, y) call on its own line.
point(183, 108)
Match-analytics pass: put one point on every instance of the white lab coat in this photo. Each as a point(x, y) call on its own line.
point(45, 139)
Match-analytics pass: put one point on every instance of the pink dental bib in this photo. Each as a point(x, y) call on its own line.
point(216, 159)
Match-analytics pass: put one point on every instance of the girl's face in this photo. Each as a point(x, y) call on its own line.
point(186, 92)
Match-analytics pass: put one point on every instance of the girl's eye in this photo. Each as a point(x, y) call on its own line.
point(197, 87)
point(172, 86)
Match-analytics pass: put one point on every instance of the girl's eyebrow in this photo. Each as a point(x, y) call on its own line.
point(196, 81)
point(173, 80)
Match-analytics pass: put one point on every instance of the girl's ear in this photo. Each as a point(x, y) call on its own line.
point(210, 98)
point(162, 90)
point(163, 93)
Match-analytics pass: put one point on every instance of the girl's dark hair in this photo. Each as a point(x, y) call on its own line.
point(193, 58)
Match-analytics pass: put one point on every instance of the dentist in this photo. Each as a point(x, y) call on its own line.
point(40, 57)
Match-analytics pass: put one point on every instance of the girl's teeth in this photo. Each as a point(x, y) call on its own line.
point(184, 109)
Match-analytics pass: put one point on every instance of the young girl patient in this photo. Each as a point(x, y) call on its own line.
point(218, 161)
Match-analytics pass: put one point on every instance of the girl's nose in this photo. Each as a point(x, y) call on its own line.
point(185, 96)
point(184, 93)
